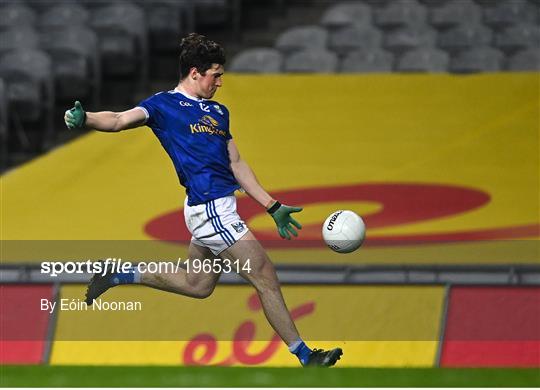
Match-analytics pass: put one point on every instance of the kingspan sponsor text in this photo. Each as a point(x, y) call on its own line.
point(198, 128)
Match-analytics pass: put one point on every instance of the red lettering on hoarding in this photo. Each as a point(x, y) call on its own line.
point(402, 204)
point(206, 345)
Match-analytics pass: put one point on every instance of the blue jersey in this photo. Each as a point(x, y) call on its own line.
point(194, 133)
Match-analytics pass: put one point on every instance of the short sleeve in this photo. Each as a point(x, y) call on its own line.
point(150, 108)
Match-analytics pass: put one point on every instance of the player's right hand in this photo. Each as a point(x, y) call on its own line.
point(75, 117)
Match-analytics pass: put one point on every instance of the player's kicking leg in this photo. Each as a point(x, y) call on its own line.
point(196, 285)
point(262, 276)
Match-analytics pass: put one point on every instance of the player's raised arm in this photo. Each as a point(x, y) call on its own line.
point(247, 179)
point(108, 121)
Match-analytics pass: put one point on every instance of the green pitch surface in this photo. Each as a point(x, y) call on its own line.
point(97, 376)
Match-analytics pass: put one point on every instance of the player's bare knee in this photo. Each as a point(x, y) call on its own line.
point(201, 288)
point(201, 294)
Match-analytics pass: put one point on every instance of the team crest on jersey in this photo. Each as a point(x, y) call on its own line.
point(218, 108)
point(238, 226)
point(209, 121)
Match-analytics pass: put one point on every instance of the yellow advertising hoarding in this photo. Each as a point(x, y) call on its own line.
point(385, 146)
point(375, 326)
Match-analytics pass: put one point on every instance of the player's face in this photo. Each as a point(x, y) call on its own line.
point(210, 81)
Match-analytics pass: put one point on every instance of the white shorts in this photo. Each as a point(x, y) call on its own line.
point(215, 224)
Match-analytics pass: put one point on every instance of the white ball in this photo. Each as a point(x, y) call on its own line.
point(344, 231)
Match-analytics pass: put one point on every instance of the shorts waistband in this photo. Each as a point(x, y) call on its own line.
point(211, 200)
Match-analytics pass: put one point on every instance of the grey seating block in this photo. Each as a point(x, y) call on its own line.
point(520, 36)
point(123, 38)
point(16, 14)
point(257, 60)
point(525, 60)
point(401, 13)
point(477, 59)
point(4, 119)
point(312, 61)
point(465, 36)
point(345, 13)
point(303, 37)
point(18, 37)
point(455, 12)
point(368, 61)
point(123, 16)
point(355, 36)
point(64, 14)
point(407, 38)
point(423, 60)
point(33, 62)
point(168, 20)
point(505, 12)
point(75, 55)
point(29, 77)
point(78, 39)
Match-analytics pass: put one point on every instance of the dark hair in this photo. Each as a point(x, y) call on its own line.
point(200, 52)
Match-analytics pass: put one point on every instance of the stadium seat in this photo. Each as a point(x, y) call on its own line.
point(4, 124)
point(16, 15)
point(165, 23)
point(485, 3)
point(123, 39)
point(408, 38)
point(343, 14)
point(64, 14)
point(305, 37)
point(401, 13)
point(257, 60)
point(3, 105)
point(353, 37)
point(377, 3)
point(368, 61)
point(465, 36)
point(212, 12)
point(423, 60)
point(28, 67)
point(477, 59)
point(76, 63)
point(507, 12)
point(23, 37)
point(455, 12)
point(520, 36)
point(434, 3)
point(525, 60)
point(311, 61)
point(30, 86)
point(154, 9)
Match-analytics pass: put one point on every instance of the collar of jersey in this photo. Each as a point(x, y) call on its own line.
point(188, 96)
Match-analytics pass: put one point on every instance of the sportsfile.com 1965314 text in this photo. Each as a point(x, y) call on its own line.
point(117, 265)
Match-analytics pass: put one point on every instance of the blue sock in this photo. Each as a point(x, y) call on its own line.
point(131, 276)
point(301, 350)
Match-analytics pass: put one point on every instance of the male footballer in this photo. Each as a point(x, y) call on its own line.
point(194, 131)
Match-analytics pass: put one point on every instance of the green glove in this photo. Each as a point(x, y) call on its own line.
point(282, 217)
point(75, 117)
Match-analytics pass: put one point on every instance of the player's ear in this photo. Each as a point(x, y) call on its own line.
point(194, 73)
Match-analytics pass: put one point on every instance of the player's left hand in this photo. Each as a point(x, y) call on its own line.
point(282, 217)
